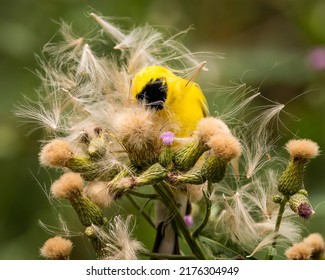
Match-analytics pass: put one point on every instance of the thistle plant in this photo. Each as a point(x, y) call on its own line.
point(220, 186)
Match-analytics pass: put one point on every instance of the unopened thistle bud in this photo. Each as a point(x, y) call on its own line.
point(56, 248)
point(300, 204)
point(97, 145)
point(277, 198)
point(70, 186)
point(301, 151)
point(224, 147)
point(166, 155)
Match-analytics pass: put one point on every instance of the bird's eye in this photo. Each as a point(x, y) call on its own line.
point(154, 94)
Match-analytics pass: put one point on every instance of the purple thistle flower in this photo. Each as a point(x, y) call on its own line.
point(305, 211)
point(188, 219)
point(167, 138)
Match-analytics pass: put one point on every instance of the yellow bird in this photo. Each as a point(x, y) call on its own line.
point(182, 103)
point(176, 99)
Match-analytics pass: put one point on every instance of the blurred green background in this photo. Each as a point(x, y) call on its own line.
point(266, 44)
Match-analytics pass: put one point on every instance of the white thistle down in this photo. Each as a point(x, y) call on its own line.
point(247, 215)
point(118, 240)
point(64, 50)
point(257, 140)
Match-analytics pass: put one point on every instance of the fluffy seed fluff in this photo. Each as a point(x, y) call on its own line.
point(248, 216)
point(209, 126)
point(55, 154)
point(236, 221)
point(120, 244)
point(98, 193)
point(316, 242)
point(135, 126)
point(139, 132)
point(304, 148)
point(122, 185)
point(56, 248)
point(67, 185)
point(299, 251)
point(224, 146)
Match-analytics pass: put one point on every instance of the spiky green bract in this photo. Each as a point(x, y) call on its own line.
point(224, 147)
point(187, 156)
point(193, 176)
point(85, 166)
point(88, 212)
point(291, 180)
point(121, 183)
point(154, 174)
point(214, 169)
point(166, 157)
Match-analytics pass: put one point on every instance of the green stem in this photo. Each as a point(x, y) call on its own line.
point(168, 199)
point(144, 214)
point(143, 195)
point(208, 210)
point(269, 255)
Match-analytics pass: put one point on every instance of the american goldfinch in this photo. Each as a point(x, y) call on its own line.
point(178, 100)
point(182, 103)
